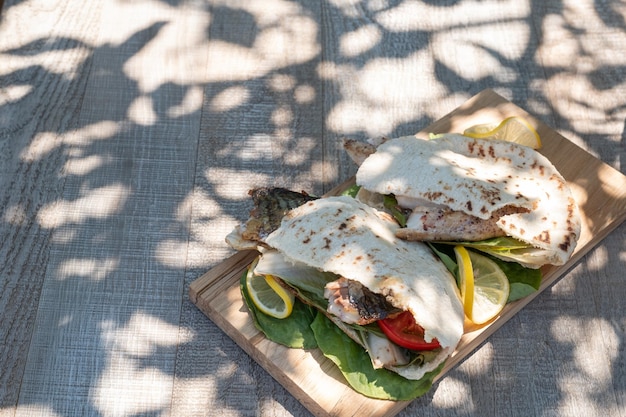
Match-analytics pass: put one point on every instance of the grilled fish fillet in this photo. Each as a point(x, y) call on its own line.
point(442, 223)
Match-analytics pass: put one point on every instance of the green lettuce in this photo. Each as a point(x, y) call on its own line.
point(356, 367)
point(307, 327)
point(508, 249)
point(293, 332)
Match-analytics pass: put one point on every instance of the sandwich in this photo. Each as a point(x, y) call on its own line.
point(501, 197)
point(373, 284)
point(393, 298)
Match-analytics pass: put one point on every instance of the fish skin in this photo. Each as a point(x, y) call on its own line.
point(352, 302)
point(270, 206)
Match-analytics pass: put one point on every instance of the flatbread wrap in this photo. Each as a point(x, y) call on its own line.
point(456, 188)
point(369, 276)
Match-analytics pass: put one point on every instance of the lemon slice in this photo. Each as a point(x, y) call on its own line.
point(268, 295)
point(484, 286)
point(512, 129)
point(466, 279)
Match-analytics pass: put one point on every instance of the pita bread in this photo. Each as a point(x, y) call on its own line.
point(479, 177)
point(355, 241)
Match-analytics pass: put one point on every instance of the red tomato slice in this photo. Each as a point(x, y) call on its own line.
point(404, 331)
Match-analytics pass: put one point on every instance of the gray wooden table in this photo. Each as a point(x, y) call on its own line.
point(130, 132)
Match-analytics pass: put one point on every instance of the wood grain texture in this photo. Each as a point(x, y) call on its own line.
point(33, 122)
point(131, 131)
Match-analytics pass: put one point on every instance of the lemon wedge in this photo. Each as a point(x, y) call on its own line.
point(484, 286)
point(268, 295)
point(512, 129)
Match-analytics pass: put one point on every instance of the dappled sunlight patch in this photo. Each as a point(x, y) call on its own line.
point(328, 171)
point(66, 63)
point(172, 253)
point(178, 40)
point(587, 109)
point(360, 40)
point(586, 336)
point(133, 381)
point(40, 146)
point(296, 29)
point(372, 106)
point(84, 166)
point(587, 380)
point(142, 335)
point(13, 93)
point(236, 62)
point(97, 203)
point(479, 368)
point(266, 13)
point(279, 146)
point(141, 111)
point(588, 75)
point(191, 103)
point(281, 82)
point(195, 393)
point(229, 99)
point(304, 94)
point(600, 261)
point(282, 116)
point(46, 142)
point(232, 183)
point(14, 214)
point(89, 269)
point(280, 25)
point(300, 152)
point(455, 395)
point(347, 7)
point(29, 410)
point(101, 130)
point(252, 148)
point(402, 82)
point(127, 388)
point(476, 55)
point(434, 18)
point(207, 224)
point(558, 47)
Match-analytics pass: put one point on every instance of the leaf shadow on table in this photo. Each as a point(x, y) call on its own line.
point(130, 204)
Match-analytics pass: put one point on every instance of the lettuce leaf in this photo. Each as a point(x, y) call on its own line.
point(356, 367)
point(293, 331)
point(509, 249)
point(446, 255)
point(352, 191)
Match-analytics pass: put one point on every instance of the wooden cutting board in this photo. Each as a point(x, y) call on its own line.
point(314, 380)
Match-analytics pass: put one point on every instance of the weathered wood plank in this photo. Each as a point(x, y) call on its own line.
point(38, 105)
point(262, 123)
point(106, 332)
